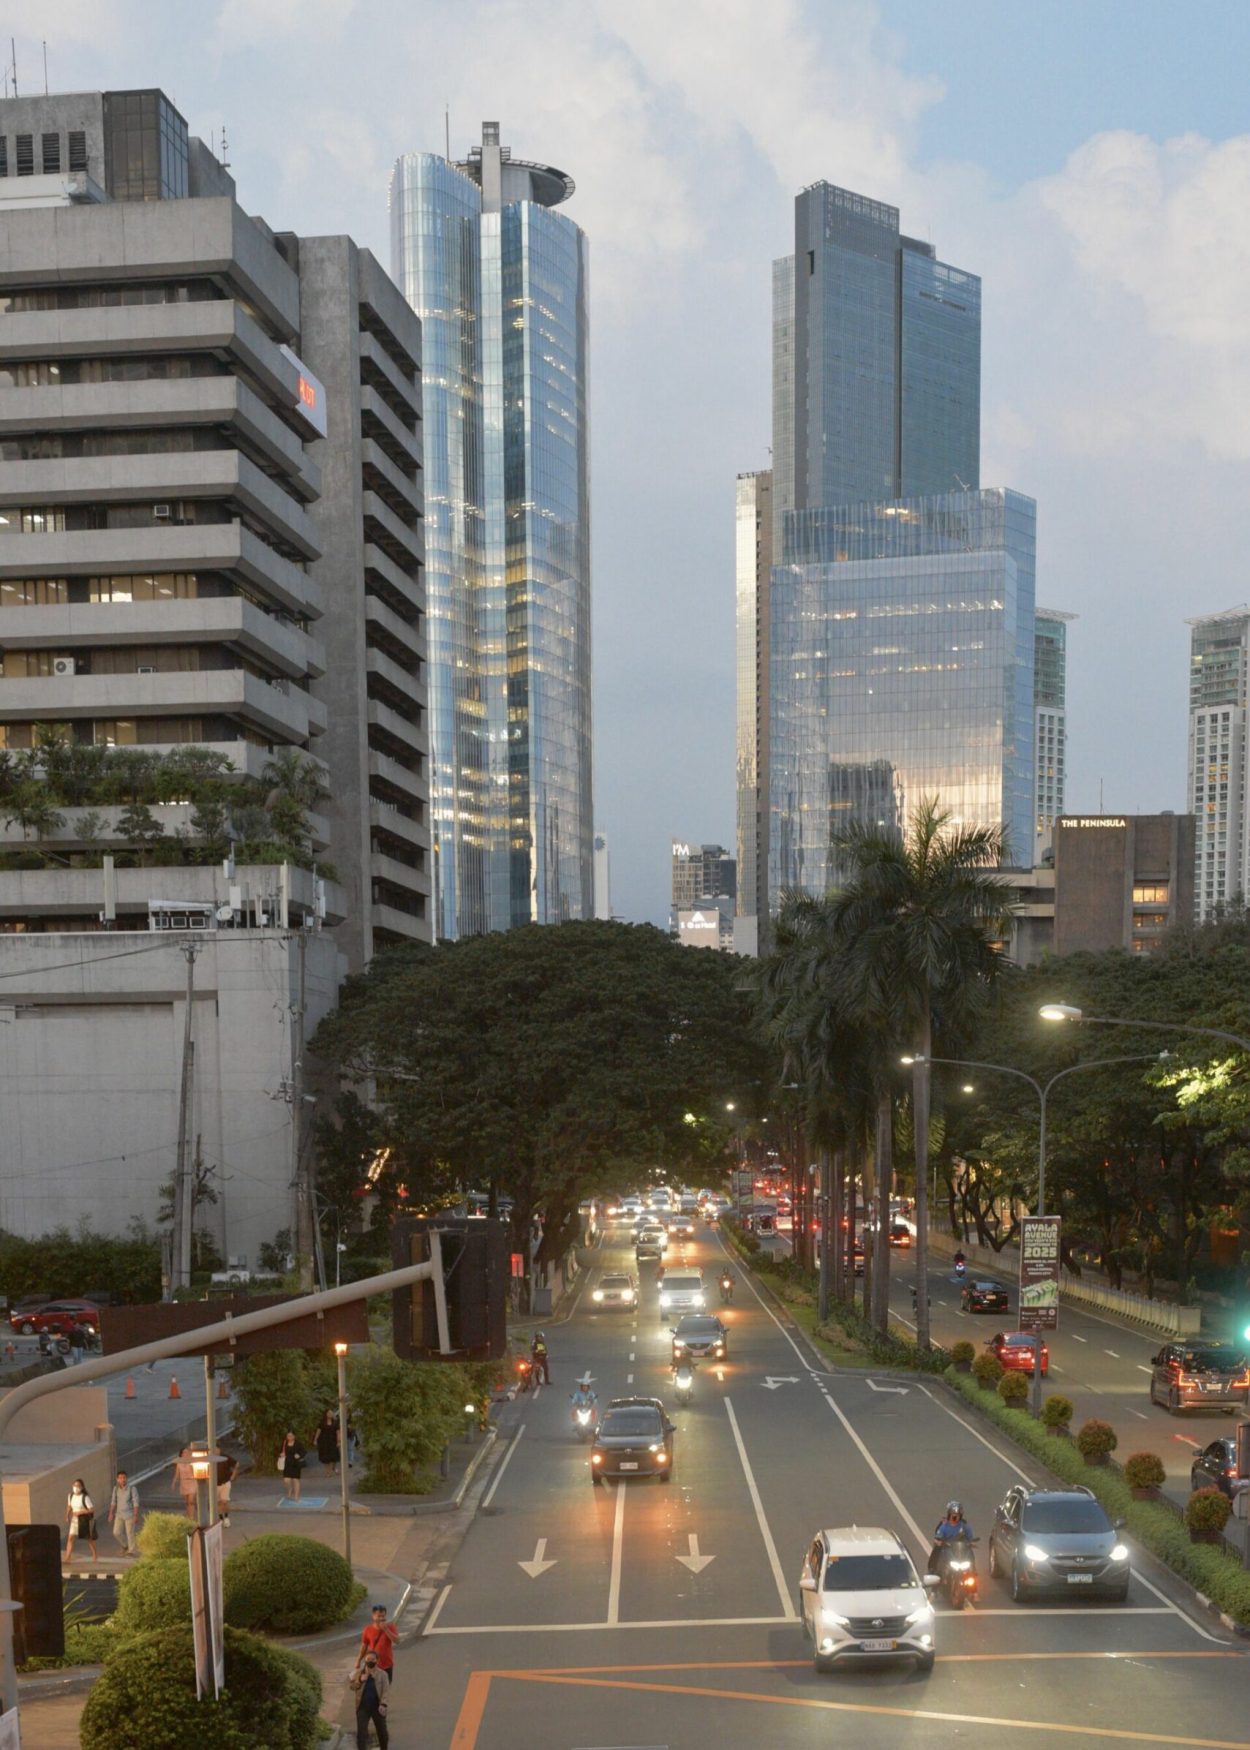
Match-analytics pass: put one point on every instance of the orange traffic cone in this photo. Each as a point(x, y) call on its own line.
point(130, 1386)
point(173, 1388)
point(222, 1389)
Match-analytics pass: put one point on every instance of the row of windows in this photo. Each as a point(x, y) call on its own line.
point(49, 160)
point(74, 445)
point(50, 373)
point(138, 732)
point(75, 519)
point(127, 659)
point(25, 303)
point(156, 586)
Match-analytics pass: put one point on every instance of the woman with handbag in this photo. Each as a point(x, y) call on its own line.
point(291, 1465)
point(80, 1517)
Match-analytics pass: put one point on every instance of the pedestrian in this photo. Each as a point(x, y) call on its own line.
point(326, 1440)
point(291, 1464)
point(353, 1442)
point(371, 1684)
point(78, 1340)
point(80, 1517)
point(124, 1513)
point(227, 1471)
point(184, 1482)
point(379, 1639)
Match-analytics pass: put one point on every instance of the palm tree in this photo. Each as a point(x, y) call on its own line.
point(916, 924)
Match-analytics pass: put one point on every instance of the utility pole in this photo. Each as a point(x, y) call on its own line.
point(307, 1228)
point(184, 1190)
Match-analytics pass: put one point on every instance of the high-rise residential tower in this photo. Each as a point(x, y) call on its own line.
point(1050, 717)
point(498, 277)
point(754, 552)
point(901, 594)
point(1219, 663)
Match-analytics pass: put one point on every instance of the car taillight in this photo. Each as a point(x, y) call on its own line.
point(1241, 1378)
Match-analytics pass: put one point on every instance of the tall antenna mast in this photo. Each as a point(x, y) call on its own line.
point(13, 56)
point(447, 129)
point(45, 66)
point(225, 147)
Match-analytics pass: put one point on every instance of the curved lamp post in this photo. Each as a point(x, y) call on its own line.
point(1067, 1012)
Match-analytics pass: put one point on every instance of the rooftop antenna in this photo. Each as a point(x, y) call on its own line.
point(447, 128)
point(225, 147)
point(13, 57)
point(45, 66)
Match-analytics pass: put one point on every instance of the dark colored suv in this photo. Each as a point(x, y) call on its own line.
point(1215, 1467)
point(700, 1337)
point(1187, 1376)
point(1058, 1541)
point(634, 1438)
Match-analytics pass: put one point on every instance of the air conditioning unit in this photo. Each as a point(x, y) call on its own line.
point(64, 665)
point(145, 668)
point(162, 512)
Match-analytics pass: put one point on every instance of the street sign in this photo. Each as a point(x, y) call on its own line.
point(127, 1327)
point(1039, 1272)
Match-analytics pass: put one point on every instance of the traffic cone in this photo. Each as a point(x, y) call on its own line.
point(222, 1389)
point(173, 1388)
point(130, 1386)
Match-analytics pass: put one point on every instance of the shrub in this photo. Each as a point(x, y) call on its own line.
point(1207, 1510)
point(1095, 1439)
point(272, 1697)
point(90, 1643)
point(155, 1595)
point(1013, 1388)
point(405, 1412)
point(963, 1354)
point(987, 1370)
point(163, 1536)
point(1144, 1470)
point(1057, 1411)
point(274, 1392)
point(294, 1585)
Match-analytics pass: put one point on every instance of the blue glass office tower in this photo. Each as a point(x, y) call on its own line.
point(901, 596)
point(499, 279)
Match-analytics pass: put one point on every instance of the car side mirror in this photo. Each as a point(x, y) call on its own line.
point(931, 1582)
point(1157, 1360)
point(1118, 1524)
point(806, 1583)
point(670, 1427)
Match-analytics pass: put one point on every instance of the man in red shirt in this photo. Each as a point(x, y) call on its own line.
point(380, 1637)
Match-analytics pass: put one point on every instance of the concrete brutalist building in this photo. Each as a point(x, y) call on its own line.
point(210, 536)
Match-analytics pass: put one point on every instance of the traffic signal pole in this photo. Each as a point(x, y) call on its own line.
point(227, 1330)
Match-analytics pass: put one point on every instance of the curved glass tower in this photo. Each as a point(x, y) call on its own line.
point(499, 280)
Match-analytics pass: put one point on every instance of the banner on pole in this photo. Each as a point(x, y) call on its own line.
point(204, 1551)
point(1039, 1272)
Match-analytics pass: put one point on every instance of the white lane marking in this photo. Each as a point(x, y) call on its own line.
point(896, 1501)
point(434, 1614)
point(694, 1561)
point(1077, 1339)
point(900, 1389)
point(567, 1628)
point(771, 1381)
point(1178, 1611)
point(1186, 1441)
point(1112, 1354)
point(618, 1547)
point(631, 1354)
point(503, 1465)
point(774, 1562)
point(1141, 1415)
point(538, 1564)
point(629, 1379)
point(977, 1435)
point(1142, 1369)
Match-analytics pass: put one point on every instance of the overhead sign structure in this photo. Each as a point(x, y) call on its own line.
point(126, 1327)
point(1039, 1272)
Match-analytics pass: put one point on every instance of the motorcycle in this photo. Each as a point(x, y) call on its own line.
point(726, 1290)
point(52, 1343)
point(961, 1270)
point(959, 1573)
point(584, 1421)
point(683, 1382)
point(525, 1373)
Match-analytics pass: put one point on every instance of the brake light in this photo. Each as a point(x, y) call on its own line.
point(1242, 1378)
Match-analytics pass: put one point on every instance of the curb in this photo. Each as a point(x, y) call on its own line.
point(421, 1508)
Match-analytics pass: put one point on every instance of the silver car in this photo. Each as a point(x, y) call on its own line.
point(861, 1597)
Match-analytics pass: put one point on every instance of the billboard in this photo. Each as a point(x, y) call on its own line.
point(1039, 1272)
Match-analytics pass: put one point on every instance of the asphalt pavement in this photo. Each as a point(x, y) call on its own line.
point(650, 1614)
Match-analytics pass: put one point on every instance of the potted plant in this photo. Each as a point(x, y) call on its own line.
point(1057, 1415)
point(1096, 1441)
point(987, 1370)
point(1206, 1514)
point(963, 1354)
point(1145, 1475)
point(1013, 1389)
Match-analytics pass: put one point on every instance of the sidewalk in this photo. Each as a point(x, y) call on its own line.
point(401, 1548)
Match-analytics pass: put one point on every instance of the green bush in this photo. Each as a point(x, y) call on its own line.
point(1095, 1438)
point(1144, 1470)
point(963, 1352)
point(1057, 1411)
point(987, 1370)
point(275, 1392)
point(146, 1696)
point(1207, 1510)
point(293, 1585)
point(406, 1412)
point(156, 1594)
point(163, 1536)
point(1013, 1388)
point(90, 1643)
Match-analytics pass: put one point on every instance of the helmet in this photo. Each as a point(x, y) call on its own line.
point(954, 1510)
point(540, 1336)
point(587, 1378)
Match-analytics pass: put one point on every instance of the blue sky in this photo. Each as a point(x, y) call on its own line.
point(1091, 161)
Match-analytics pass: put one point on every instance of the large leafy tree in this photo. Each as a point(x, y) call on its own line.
point(545, 1063)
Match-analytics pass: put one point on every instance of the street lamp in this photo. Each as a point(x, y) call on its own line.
point(1042, 1090)
point(340, 1356)
point(202, 1471)
point(1067, 1012)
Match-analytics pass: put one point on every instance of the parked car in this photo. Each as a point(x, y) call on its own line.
point(984, 1297)
point(861, 1597)
point(1014, 1351)
point(1058, 1540)
point(1190, 1376)
point(57, 1315)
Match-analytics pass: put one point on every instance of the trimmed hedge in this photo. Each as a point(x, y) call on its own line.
point(1013, 1388)
point(293, 1585)
point(155, 1595)
point(1096, 1439)
point(1208, 1510)
point(163, 1536)
point(1217, 1575)
point(1144, 1470)
point(987, 1369)
point(1057, 1411)
point(146, 1695)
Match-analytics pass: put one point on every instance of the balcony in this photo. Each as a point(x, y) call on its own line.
point(406, 391)
point(390, 629)
point(404, 545)
point(212, 620)
point(278, 715)
point(399, 777)
point(389, 820)
point(397, 874)
point(399, 926)
point(398, 728)
point(377, 417)
point(79, 893)
point(391, 484)
point(393, 677)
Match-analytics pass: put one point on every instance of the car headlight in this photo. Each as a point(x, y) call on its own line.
point(596, 1458)
point(598, 1294)
point(1033, 1554)
point(678, 1344)
point(833, 1619)
point(720, 1348)
point(627, 1294)
point(923, 1614)
point(1120, 1553)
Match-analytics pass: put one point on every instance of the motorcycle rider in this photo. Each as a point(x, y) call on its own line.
point(960, 1261)
point(726, 1285)
point(583, 1398)
point(950, 1529)
point(538, 1351)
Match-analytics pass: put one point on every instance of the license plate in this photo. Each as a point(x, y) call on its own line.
point(878, 1646)
point(1080, 1579)
point(629, 1464)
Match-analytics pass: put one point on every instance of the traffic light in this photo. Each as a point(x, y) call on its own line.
point(475, 1277)
point(38, 1586)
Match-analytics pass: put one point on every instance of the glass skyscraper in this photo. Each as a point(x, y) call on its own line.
point(1050, 707)
point(499, 279)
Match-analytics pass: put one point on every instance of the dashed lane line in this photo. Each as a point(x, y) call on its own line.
point(503, 1465)
point(765, 1532)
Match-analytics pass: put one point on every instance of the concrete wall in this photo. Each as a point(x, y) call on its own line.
point(91, 1057)
point(47, 1445)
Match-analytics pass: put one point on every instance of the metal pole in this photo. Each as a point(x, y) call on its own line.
point(1041, 1210)
point(306, 1225)
point(826, 1235)
point(340, 1355)
point(210, 1438)
point(184, 1193)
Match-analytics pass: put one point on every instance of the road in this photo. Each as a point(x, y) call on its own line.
point(575, 1616)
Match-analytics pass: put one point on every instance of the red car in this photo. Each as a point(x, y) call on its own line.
point(57, 1315)
point(1014, 1350)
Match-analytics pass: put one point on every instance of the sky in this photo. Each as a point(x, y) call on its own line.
point(1088, 159)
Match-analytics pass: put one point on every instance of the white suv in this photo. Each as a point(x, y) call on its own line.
point(861, 1597)
point(682, 1291)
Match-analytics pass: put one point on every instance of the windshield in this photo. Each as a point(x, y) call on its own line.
point(1019, 1342)
point(1210, 1361)
point(697, 1327)
point(1074, 1514)
point(642, 1423)
point(682, 1284)
point(868, 1573)
point(615, 1282)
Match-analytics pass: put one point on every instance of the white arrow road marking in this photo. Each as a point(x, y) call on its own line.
point(901, 1389)
point(694, 1561)
point(537, 1566)
point(771, 1384)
